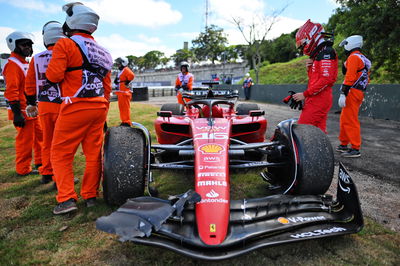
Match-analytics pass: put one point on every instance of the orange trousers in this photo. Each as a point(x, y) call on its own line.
point(350, 132)
point(124, 105)
point(84, 126)
point(48, 122)
point(28, 137)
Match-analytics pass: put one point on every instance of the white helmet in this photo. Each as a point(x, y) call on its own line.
point(52, 31)
point(247, 74)
point(122, 60)
point(352, 42)
point(80, 17)
point(15, 36)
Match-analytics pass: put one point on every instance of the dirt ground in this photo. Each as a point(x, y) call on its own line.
point(375, 173)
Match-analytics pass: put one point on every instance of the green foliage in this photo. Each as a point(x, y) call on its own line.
point(377, 21)
point(183, 55)
point(210, 44)
point(150, 60)
point(281, 49)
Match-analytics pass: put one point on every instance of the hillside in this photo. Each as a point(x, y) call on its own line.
point(291, 72)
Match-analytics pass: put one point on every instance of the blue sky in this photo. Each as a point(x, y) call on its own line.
point(134, 27)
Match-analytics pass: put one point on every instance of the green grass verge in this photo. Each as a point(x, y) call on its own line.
point(31, 235)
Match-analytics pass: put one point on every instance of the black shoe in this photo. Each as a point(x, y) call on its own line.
point(125, 125)
point(342, 148)
point(33, 172)
point(76, 180)
point(46, 179)
point(91, 202)
point(351, 153)
point(65, 207)
point(38, 165)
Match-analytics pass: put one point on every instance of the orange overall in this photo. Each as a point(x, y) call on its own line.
point(48, 106)
point(124, 95)
point(82, 115)
point(350, 131)
point(30, 136)
point(183, 79)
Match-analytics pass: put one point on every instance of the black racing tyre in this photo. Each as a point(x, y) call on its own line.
point(125, 162)
point(245, 108)
point(315, 163)
point(175, 108)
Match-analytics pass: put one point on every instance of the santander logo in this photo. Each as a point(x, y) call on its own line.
point(212, 194)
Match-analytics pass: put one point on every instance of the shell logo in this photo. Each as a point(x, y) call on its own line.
point(283, 220)
point(211, 148)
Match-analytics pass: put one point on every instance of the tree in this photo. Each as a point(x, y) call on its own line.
point(183, 55)
point(210, 44)
point(152, 59)
point(255, 33)
point(377, 21)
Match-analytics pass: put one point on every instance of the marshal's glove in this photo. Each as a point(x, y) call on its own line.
point(19, 120)
point(345, 89)
point(342, 100)
point(31, 111)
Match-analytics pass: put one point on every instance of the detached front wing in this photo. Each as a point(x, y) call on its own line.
point(254, 223)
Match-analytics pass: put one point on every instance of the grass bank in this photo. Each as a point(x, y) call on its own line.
point(30, 234)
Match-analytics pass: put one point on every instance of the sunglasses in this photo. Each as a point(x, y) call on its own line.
point(25, 44)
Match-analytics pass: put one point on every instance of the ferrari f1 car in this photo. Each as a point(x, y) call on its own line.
point(209, 138)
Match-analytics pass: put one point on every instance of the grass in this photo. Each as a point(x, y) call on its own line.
point(31, 235)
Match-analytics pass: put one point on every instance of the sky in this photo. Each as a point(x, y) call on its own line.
point(135, 27)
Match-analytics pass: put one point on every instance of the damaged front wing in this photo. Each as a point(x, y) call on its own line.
point(254, 223)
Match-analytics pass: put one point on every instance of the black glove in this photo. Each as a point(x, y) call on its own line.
point(294, 105)
point(116, 80)
point(184, 86)
point(345, 89)
point(177, 87)
point(289, 97)
point(31, 99)
point(19, 120)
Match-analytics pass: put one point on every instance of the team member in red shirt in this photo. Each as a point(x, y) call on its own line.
point(29, 132)
point(123, 92)
point(322, 70)
point(356, 77)
point(82, 67)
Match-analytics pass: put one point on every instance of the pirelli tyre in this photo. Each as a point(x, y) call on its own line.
point(125, 164)
point(315, 162)
point(174, 108)
point(245, 108)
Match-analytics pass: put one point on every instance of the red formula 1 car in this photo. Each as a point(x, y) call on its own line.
point(211, 137)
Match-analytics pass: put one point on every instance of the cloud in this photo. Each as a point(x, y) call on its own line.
point(147, 13)
point(148, 39)
point(114, 41)
point(36, 5)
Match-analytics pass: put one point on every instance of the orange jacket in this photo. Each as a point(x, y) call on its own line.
point(126, 75)
point(30, 89)
point(187, 79)
point(354, 64)
point(67, 55)
point(15, 82)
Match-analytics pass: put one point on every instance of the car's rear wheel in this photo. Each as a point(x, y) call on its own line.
point(125, 164)
point(315, 163)
point(245, 108)
point(174, 108)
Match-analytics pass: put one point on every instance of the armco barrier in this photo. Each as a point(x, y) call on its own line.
point(140, 94)
point(381, 100)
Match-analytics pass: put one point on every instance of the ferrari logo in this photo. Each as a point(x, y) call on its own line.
point(213, 228)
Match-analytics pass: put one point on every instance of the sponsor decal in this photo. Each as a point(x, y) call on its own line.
point(207, 174)
point(319, 232)
point(214, 201)
point(212, 194)
point(284, 220)
point(213, 228)
point(211, 167)
point(344, 179)
point(211, 159)
point(211, 183)
point(211, 148)
point(215, 128)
